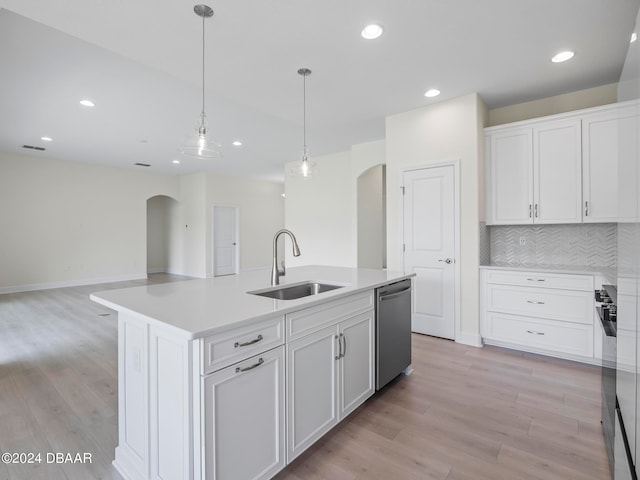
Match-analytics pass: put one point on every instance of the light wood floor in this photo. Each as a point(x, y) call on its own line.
point(464, 414)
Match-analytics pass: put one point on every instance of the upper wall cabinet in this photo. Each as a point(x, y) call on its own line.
point(607, 138)
point(510, 176)
point(557, 172)
point(535, 174)
point(558, 169)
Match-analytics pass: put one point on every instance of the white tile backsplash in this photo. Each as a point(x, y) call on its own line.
point(592, 245)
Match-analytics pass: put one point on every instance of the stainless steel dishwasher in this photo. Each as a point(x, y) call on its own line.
point(393, 331)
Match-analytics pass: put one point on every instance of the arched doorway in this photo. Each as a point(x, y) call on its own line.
point(372, 218)
point(162, 242)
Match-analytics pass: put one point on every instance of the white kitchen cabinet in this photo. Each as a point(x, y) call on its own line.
point(561, 168)
point(557, 172)
point(356, 375)
point(244, 418)
point(510, 167)
point(329, 374)
point(535, 174)
point(605, 138)
point(547, 313)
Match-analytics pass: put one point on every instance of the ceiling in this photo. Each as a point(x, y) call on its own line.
point(140, 62)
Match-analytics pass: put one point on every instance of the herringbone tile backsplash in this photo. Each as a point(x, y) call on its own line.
point(592, 245)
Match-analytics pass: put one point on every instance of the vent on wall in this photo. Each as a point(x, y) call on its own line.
point(31, 147)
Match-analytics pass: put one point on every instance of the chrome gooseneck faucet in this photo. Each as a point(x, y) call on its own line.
point(279, 271)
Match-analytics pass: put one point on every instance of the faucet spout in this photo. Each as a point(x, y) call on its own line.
point(277, 271)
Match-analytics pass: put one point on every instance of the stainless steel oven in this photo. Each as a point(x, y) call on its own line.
point(606, 308)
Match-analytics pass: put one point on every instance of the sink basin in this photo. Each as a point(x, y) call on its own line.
point(299, 290)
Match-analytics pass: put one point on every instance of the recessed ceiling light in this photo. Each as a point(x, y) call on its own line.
point(237, 143)
point(371, 31)
point(634, 37)
point(87, 103)
point(434, 92)
point(46, 139)
point(563, 56)
point(175, 161)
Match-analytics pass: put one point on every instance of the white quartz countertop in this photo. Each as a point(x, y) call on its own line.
point(200, 307)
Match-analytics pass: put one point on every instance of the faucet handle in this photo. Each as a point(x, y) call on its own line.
point(282, 270)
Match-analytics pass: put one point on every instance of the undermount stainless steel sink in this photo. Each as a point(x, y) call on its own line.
point(300, 290)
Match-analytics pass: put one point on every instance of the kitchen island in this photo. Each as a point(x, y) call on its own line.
point(216, 382)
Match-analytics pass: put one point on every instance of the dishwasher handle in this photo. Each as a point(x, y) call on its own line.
point(389, 296)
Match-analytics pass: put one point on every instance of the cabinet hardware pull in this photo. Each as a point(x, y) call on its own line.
point(535, 302)
point(250, 367)
point(535, 333)
point(339, 347)
point(535, 209)
point(586, 209)
point(250, 342)
point(530, 210)
point(536, 279)
point(343, 342)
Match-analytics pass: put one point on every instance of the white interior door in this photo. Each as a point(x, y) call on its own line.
point(225, 241)
point(430, 246)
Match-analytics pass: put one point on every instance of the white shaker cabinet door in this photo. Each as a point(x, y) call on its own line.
point(608, 138)
point(510, 194)
point(312, 369)
point(244, 419)
point(557, 172)
point(357, 363)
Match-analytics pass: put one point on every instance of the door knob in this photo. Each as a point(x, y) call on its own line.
point(446, 260)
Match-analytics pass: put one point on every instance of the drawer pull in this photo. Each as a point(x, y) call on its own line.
point(251, 367)
point(250, 342)
point(532, 332)
point(535, 302)
point(536, 279)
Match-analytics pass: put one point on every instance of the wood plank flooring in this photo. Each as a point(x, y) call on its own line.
point(465, 413)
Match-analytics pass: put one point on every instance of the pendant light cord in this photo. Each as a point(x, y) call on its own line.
point(203, 57)
point(304, 114)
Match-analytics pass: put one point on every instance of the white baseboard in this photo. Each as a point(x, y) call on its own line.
point(71, 283)
point(472, 339)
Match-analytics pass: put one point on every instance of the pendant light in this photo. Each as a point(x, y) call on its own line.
point(199, 143)
point(304, 168)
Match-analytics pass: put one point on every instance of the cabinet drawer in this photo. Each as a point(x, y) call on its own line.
point(566, 305)
point(240, 343)
point(542, 279)
point(562, 337)
point(313, 319)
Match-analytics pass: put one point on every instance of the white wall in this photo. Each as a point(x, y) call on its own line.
point(590, 97)
point(261, 207)
point(442, 131)
point(70, 223)
point(188, 251)
point(320, 212)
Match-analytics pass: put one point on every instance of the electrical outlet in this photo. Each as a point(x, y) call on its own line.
point(523, 241)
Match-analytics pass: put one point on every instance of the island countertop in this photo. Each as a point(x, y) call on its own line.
point(197, 308)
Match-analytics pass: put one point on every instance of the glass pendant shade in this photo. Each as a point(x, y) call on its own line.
point(304, 168)
point(199, 143)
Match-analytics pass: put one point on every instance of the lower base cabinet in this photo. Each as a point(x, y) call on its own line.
point(244, 419)
point(329, 374)
point(540, 312)
point(241, 404)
